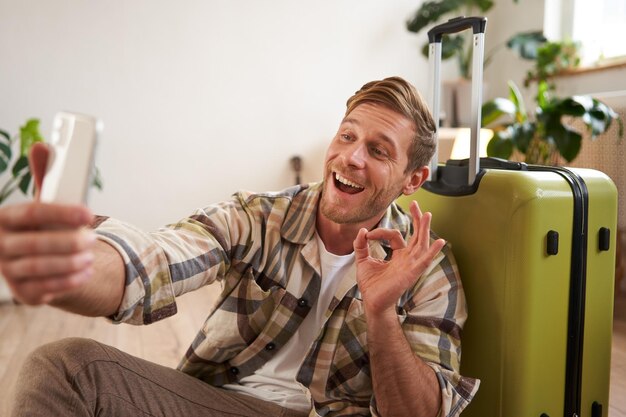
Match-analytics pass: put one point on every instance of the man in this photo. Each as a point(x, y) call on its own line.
point(333, 301)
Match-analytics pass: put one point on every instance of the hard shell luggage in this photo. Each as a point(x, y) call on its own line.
point(535, 248)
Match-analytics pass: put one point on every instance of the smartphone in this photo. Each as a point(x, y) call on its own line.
point(70, 166)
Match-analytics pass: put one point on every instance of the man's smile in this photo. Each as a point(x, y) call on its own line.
point(345, 185)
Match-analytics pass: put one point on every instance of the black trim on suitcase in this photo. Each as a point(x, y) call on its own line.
point(578, 283)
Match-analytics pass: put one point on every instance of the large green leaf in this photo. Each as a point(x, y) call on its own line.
point(515, 95)
point(575, 106)
point(567, 140)
point(496, 108)
point(500, 146)
point(483, 5)
point(598, 121)
point(522, 134)
point(29, 135)
point(20, 165)
point(5, 135)
point(25, 182)
point(601, 117)
point(526, 44)
point(543, 94)
point(5, 156)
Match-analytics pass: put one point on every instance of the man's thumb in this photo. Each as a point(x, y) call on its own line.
point(38, 161)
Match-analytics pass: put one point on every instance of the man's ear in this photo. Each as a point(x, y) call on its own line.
point(416, 179)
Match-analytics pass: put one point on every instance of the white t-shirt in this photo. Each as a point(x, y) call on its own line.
point(276, 380)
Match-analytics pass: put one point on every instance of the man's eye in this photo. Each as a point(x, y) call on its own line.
point(346, 137)
point(378, 152)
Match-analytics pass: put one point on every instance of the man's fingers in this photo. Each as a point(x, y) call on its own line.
point(421, 261)
point(416, 212)
point(423, 239)
point(35, 292)
point(33, 215)
point(38, 160)
point(437, 245)
point(48, 242)
point(41, 267)
point(361, 250)
point(392, 235)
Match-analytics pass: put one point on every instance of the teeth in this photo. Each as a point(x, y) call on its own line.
point(345, 181)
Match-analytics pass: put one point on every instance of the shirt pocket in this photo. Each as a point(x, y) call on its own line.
point(243, 314)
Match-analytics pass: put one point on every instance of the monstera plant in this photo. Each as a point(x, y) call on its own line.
point(542, 138)
point(548, 134)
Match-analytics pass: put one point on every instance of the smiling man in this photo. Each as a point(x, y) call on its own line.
point(333, 301)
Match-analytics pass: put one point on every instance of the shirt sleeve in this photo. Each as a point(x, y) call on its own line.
point(176, 259)
point(434, 314)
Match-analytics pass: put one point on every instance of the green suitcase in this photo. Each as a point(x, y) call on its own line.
point(535, 248)
point(537, 267)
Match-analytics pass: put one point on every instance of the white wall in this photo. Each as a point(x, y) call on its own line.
point(199, 97)
point(203, 97)
point(506, 19)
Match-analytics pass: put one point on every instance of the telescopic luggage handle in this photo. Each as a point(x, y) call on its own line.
point(458, 24)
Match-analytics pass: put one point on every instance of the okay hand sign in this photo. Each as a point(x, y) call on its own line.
point(383, 282)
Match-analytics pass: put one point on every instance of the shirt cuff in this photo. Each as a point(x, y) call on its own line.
point(456, 391)
point(148, 293)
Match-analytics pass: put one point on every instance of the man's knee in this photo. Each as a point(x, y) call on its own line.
point(64, 355)
point(47, 378)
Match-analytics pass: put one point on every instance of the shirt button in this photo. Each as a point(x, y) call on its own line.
point(302, 302)
point(234, 370)
point(270, 346)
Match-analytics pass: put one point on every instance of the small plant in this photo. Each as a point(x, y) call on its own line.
point(16, 158)
point(18, 161)
point(551, 59)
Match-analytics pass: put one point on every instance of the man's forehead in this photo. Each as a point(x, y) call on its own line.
point(364, 112)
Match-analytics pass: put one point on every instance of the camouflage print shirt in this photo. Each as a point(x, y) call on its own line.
point(254, 245)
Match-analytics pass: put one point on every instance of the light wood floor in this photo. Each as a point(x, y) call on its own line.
point(22, 329)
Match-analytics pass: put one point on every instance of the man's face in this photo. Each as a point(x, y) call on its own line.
point(365, 164)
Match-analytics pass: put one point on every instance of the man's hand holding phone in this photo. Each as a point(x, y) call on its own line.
point(45, 248)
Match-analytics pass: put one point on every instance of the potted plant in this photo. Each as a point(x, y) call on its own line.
point(547, 135)
point(18, 161)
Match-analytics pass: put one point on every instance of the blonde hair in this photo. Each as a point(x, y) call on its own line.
point(400, 96)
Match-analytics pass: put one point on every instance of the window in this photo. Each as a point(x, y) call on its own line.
point(597, 24)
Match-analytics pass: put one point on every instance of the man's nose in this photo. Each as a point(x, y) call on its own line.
point(355, 155)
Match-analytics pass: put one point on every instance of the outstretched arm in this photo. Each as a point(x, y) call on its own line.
point(404, 385)
point(49, 255)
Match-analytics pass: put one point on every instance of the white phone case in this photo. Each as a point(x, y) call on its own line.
point(70, 163)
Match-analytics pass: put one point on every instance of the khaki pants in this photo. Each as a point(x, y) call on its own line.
point(81, 377)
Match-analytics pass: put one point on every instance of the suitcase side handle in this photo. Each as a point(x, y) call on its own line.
point(457, 24)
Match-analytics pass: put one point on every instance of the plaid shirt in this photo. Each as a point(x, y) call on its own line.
point(254, 245)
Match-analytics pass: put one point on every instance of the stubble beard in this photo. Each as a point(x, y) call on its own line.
point(353, 215)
